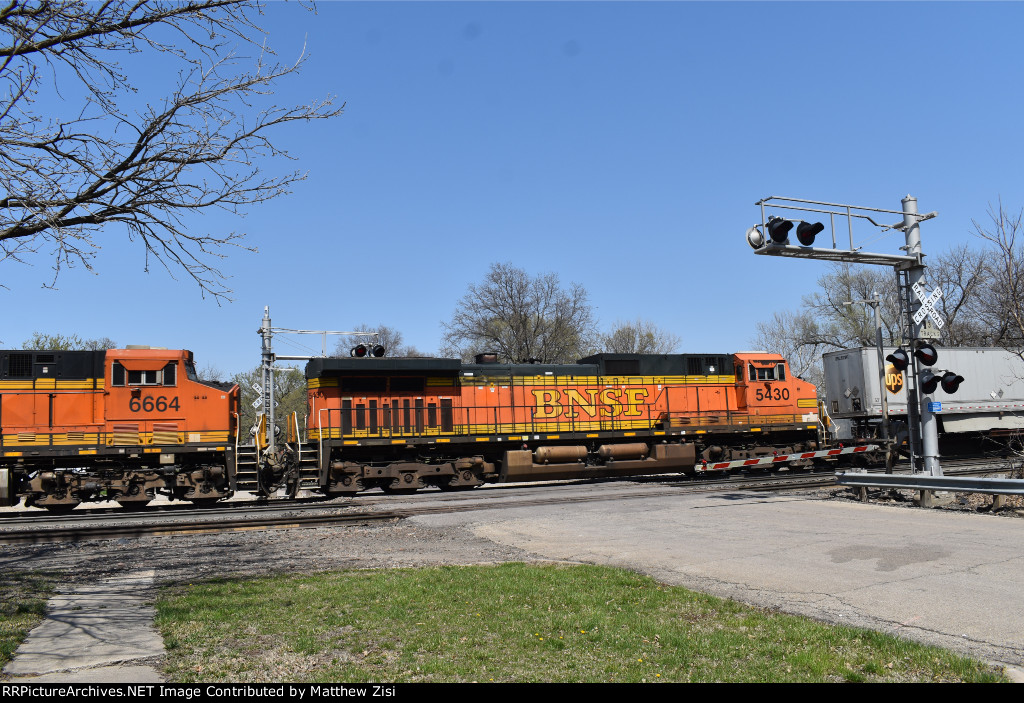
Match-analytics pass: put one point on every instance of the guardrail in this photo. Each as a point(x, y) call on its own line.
point(927, 485)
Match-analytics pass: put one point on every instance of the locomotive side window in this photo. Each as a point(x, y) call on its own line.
point(142, 378)
point(167, 376)
point(770, 373)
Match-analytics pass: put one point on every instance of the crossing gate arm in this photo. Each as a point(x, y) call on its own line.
point(769, 460)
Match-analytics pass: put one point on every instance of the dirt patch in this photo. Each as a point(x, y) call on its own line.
point(186, 559)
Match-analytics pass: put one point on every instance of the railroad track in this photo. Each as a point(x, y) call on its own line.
point(369, 509)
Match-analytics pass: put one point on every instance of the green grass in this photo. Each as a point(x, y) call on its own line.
point(23, 599)
point(514, 622)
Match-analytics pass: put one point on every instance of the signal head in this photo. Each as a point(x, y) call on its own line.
point(378, 350)
point(929, 382)
point(926, 354)
point(899, 359)
point(358, 351)
point(951, 382)
point(806, 231)
point(778, 229)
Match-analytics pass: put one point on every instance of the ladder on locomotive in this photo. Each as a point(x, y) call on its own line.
point(247, 467)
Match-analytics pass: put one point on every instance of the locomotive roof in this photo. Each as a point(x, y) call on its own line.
point(331, 366)
point(45, 363)
point(595, 365)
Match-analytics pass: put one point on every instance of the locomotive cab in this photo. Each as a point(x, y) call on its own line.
point(121, 424)
point(765, 387)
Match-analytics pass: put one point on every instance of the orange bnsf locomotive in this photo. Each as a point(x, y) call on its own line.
point(129, 424)
point(404, 423)
point(118, 425)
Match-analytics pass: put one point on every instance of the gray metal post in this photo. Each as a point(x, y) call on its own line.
point(268, 377)
point(929, 425)
point(876, 303)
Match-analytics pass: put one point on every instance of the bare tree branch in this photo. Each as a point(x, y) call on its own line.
point(521, 318)
point(1001, 309)
point(638, 337)
point(64, 181)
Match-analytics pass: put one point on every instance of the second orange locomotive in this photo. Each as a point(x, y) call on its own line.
point(404, 423)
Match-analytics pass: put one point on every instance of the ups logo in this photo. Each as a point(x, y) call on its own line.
point(893, 379)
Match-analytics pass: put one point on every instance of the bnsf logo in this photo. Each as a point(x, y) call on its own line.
point(589, 402)
point(893, 379)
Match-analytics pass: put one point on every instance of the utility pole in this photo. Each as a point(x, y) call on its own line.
point(875, 303)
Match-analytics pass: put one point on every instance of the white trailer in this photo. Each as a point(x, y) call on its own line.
point(990, 398)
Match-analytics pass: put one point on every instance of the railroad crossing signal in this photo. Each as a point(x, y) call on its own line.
point(951, 382)
point(927, 308)
point(899, 359)
point(807, 231)
point(929, 382)
point(926, 354)
point(778, 229)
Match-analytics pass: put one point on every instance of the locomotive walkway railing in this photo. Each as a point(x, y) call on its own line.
point(414, 418)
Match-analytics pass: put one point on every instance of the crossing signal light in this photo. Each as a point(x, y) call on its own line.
point(778, 229)
point(899, 359)
point(806, 231)
point(358, 351)
point(951, 382)
point(929, 382)
point(926, 354)
point(378, 350)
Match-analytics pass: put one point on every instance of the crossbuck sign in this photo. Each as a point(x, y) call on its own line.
point(927, 308)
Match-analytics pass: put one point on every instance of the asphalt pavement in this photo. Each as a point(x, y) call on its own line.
point(947, 578)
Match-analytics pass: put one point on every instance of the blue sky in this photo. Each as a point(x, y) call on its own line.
point(621, 145)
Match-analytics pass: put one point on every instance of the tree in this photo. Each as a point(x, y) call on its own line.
point(521, 317)
point(389, 337)
point(638, 337)
point(837, 325)
point(289, 392)
point(1001, 308)
point(111, 162)
point(791, 334)
point(963, 274)
point(974, 307)
point(71, 342)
